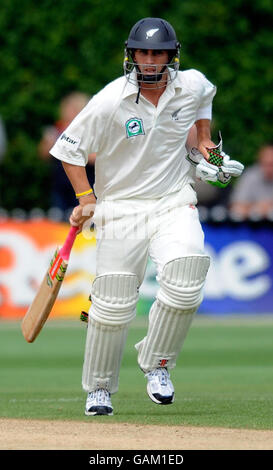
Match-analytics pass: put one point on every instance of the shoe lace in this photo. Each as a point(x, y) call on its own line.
point(162, 374)
point(103, 395)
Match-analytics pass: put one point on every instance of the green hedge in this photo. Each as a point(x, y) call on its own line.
point(50, 48)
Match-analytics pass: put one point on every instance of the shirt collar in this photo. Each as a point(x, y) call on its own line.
point(176, 83)
point(129, 89)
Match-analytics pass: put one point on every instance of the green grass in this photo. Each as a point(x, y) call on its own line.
point(224, 376)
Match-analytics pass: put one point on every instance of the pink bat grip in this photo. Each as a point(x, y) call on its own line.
point(67, 246)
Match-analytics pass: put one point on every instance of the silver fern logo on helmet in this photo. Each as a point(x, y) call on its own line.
point(151, 32)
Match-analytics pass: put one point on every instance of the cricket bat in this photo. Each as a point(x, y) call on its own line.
point(43, 302)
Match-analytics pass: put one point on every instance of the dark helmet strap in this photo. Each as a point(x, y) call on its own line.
point(138, 93)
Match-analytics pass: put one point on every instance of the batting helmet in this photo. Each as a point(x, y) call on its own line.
point(153, 34)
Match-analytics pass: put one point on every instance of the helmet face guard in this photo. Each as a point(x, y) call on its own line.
point(152, 34)
point(164, 73)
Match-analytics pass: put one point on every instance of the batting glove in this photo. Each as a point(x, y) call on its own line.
point(222, 160)
point(218, 168)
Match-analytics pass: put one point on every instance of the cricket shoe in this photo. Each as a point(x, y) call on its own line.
point(99, 403)
point(159, 387)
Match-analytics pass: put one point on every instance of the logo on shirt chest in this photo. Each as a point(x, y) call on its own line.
point(134, 126)
point(176, 115)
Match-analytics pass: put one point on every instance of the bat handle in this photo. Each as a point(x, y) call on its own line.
point(67, 246)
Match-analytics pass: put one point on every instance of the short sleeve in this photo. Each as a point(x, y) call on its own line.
point(204, 112)
point(81, 137)
point(207, 89)
point(201, 87)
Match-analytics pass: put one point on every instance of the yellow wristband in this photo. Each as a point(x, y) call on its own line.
point(84, 193)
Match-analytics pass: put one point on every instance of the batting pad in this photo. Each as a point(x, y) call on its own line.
point(172, 313)
point(114, 298)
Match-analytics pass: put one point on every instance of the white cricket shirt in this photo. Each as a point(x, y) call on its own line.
point(140, 148)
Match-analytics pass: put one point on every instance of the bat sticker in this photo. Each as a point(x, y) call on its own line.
point(55, 267)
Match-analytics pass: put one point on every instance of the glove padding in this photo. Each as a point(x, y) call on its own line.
point(218, 168)
point(232, 167)
point(212, 174)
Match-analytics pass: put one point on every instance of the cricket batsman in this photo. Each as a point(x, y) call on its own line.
point(150, 130)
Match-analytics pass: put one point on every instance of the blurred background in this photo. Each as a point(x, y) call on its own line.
point(54, 56)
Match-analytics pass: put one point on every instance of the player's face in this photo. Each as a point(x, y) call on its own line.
point(150, 62)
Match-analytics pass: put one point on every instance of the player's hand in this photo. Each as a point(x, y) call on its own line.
point(203, 146)
point(214, 154)
point(213, 165)
point(83, 212)
point(205, 171)
point(233, 167)
point(212, 174)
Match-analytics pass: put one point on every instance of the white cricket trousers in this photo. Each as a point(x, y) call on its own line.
point(128, 232)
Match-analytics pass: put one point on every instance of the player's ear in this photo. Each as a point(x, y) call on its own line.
point(132, 54)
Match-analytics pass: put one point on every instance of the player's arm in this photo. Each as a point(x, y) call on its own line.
point(86, 203)
point(203, 135)
point(212, 164)
point(206, 170)
point(200, 137)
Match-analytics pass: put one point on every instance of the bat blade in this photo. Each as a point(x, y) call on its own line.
point(44, 300)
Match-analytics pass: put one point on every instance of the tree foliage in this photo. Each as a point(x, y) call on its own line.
point(52, 47)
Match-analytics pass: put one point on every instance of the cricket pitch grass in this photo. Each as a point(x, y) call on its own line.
point(223, 391)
